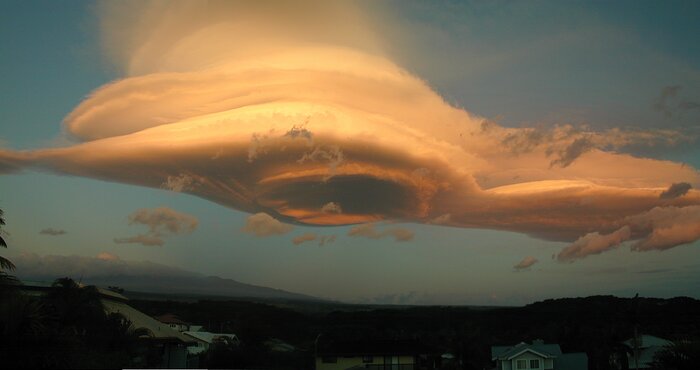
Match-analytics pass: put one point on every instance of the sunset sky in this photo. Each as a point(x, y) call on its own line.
point(371, 151)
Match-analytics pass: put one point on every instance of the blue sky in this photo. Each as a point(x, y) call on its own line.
point(521, 64)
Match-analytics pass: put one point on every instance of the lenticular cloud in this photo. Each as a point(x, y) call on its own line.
point(288, 114)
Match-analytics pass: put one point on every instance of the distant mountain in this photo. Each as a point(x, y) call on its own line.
point(196, 286)
point(140, 276)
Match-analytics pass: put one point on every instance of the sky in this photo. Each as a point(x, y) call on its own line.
point(380, 152)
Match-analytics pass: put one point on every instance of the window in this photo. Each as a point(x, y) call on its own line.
point(521, 364)
point(329, 360)
point(535, 364)
point(367, 359)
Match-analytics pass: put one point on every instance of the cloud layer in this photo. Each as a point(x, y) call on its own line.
point(290, 117)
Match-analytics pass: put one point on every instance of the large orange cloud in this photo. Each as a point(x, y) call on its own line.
point(262, 113)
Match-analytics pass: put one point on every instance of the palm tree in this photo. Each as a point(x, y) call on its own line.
point(4, 262)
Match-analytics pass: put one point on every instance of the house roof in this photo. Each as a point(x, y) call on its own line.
point(208, 337)
point(114, 302)
point(169, 318)
point(646, 357)
point(373, 347)
point(508, 352)
point(648, 341)
point(159, 330)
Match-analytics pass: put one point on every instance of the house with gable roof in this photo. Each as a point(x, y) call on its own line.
point(642, 350)
point(536, 356)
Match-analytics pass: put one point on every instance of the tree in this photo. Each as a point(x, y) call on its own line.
point(5, 264)
point(682, 355)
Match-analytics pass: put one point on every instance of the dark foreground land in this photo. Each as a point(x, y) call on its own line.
point(67, 327)
point(594, 325)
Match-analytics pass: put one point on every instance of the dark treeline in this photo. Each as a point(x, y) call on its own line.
point(595, 325)
point(65, 327)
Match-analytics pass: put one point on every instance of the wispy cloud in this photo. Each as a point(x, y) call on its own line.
point(676, 190)
point(147, 240)
point(307, 237)
point(52, 232)
point(310, 237)
point(594, 243)
point(525, 263)
point(370, 231)
point(658, 229)
point(671, 104)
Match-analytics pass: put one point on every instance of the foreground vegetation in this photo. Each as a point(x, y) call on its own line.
point(68, 328)
point(65, 328)
point(595, 325)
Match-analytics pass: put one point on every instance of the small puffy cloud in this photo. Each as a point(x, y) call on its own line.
point(164, 220)
point(161, 222)
point(106, 256)
point(594, 243)
point(676, 190)
point(307, 237)
point(52, 232)
point(526, 263)
point(370, 231)
point(326, 239)
point(400, 234)
point(261, 224)
point(666, 227)
point(331, 207)
point(147, 240)
point(660, 228)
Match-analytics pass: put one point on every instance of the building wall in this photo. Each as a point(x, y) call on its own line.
point(346, 362)
point(503, 365)
point(548, 363)
point(175, 356)
point(527, 356)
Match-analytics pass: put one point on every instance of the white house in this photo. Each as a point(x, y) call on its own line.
point(205, 339)
point(643, 349)
point(170, 345)
point(174, 322)
point(536, 356)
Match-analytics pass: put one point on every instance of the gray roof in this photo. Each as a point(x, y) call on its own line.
point(505, 352)
point(208, 337)
point(139, 319)
point(648, 341)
